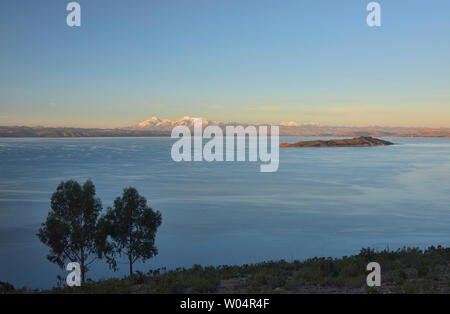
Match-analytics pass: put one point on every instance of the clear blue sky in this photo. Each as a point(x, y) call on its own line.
point(229, 60)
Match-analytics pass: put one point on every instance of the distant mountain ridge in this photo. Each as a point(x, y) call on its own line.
point(307, 129)
point(163, 127)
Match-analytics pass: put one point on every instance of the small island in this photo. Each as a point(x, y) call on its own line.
point(362, 141)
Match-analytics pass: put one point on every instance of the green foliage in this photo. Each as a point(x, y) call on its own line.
point(70, 230)
point(317, 275)
point(411, 288)
point(131, 227)
point(6, 287)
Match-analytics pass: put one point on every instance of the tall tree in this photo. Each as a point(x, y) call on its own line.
point(131, 225)
point(71, 226)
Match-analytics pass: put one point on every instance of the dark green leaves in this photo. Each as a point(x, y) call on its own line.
point(75, 232)
point(132, 226)
point(71, 226)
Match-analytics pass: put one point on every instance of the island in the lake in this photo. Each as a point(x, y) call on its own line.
point(350, 142)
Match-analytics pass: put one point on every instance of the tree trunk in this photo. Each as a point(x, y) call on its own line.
point(82, 267)
point(130, 258)
point(82, 273)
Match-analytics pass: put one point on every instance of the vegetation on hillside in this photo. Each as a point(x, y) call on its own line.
point(409, 270)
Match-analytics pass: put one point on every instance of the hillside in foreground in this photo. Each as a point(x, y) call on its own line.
point(409, 270)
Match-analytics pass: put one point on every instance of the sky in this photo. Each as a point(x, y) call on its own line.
point(250, 61)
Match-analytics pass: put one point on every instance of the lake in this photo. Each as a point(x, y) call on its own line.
point(321, 201)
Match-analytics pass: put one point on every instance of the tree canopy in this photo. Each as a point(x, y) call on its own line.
point(131, 226)
point(70, 230)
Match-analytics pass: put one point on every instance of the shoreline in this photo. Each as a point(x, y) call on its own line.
point(168, 136)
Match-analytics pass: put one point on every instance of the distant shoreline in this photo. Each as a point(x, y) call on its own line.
point(294, 131)
point(168, 136)
point(304, 131)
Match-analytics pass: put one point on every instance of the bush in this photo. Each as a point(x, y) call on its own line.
point(6, 287)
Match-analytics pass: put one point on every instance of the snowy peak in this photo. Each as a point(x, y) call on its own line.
point(155, 123)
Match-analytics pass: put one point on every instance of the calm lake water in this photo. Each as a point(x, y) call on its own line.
point(321, 202)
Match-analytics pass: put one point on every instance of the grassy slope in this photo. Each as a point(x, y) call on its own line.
point(403, 271)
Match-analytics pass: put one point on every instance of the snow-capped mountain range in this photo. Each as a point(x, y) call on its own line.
point(157, 124)
point(163, 127)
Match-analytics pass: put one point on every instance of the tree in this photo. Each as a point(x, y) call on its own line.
point(131, 225)
point(71, 226)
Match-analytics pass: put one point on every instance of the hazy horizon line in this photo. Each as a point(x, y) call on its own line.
point(226, 123)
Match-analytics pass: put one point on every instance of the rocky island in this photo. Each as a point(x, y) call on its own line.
point(353, 142)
